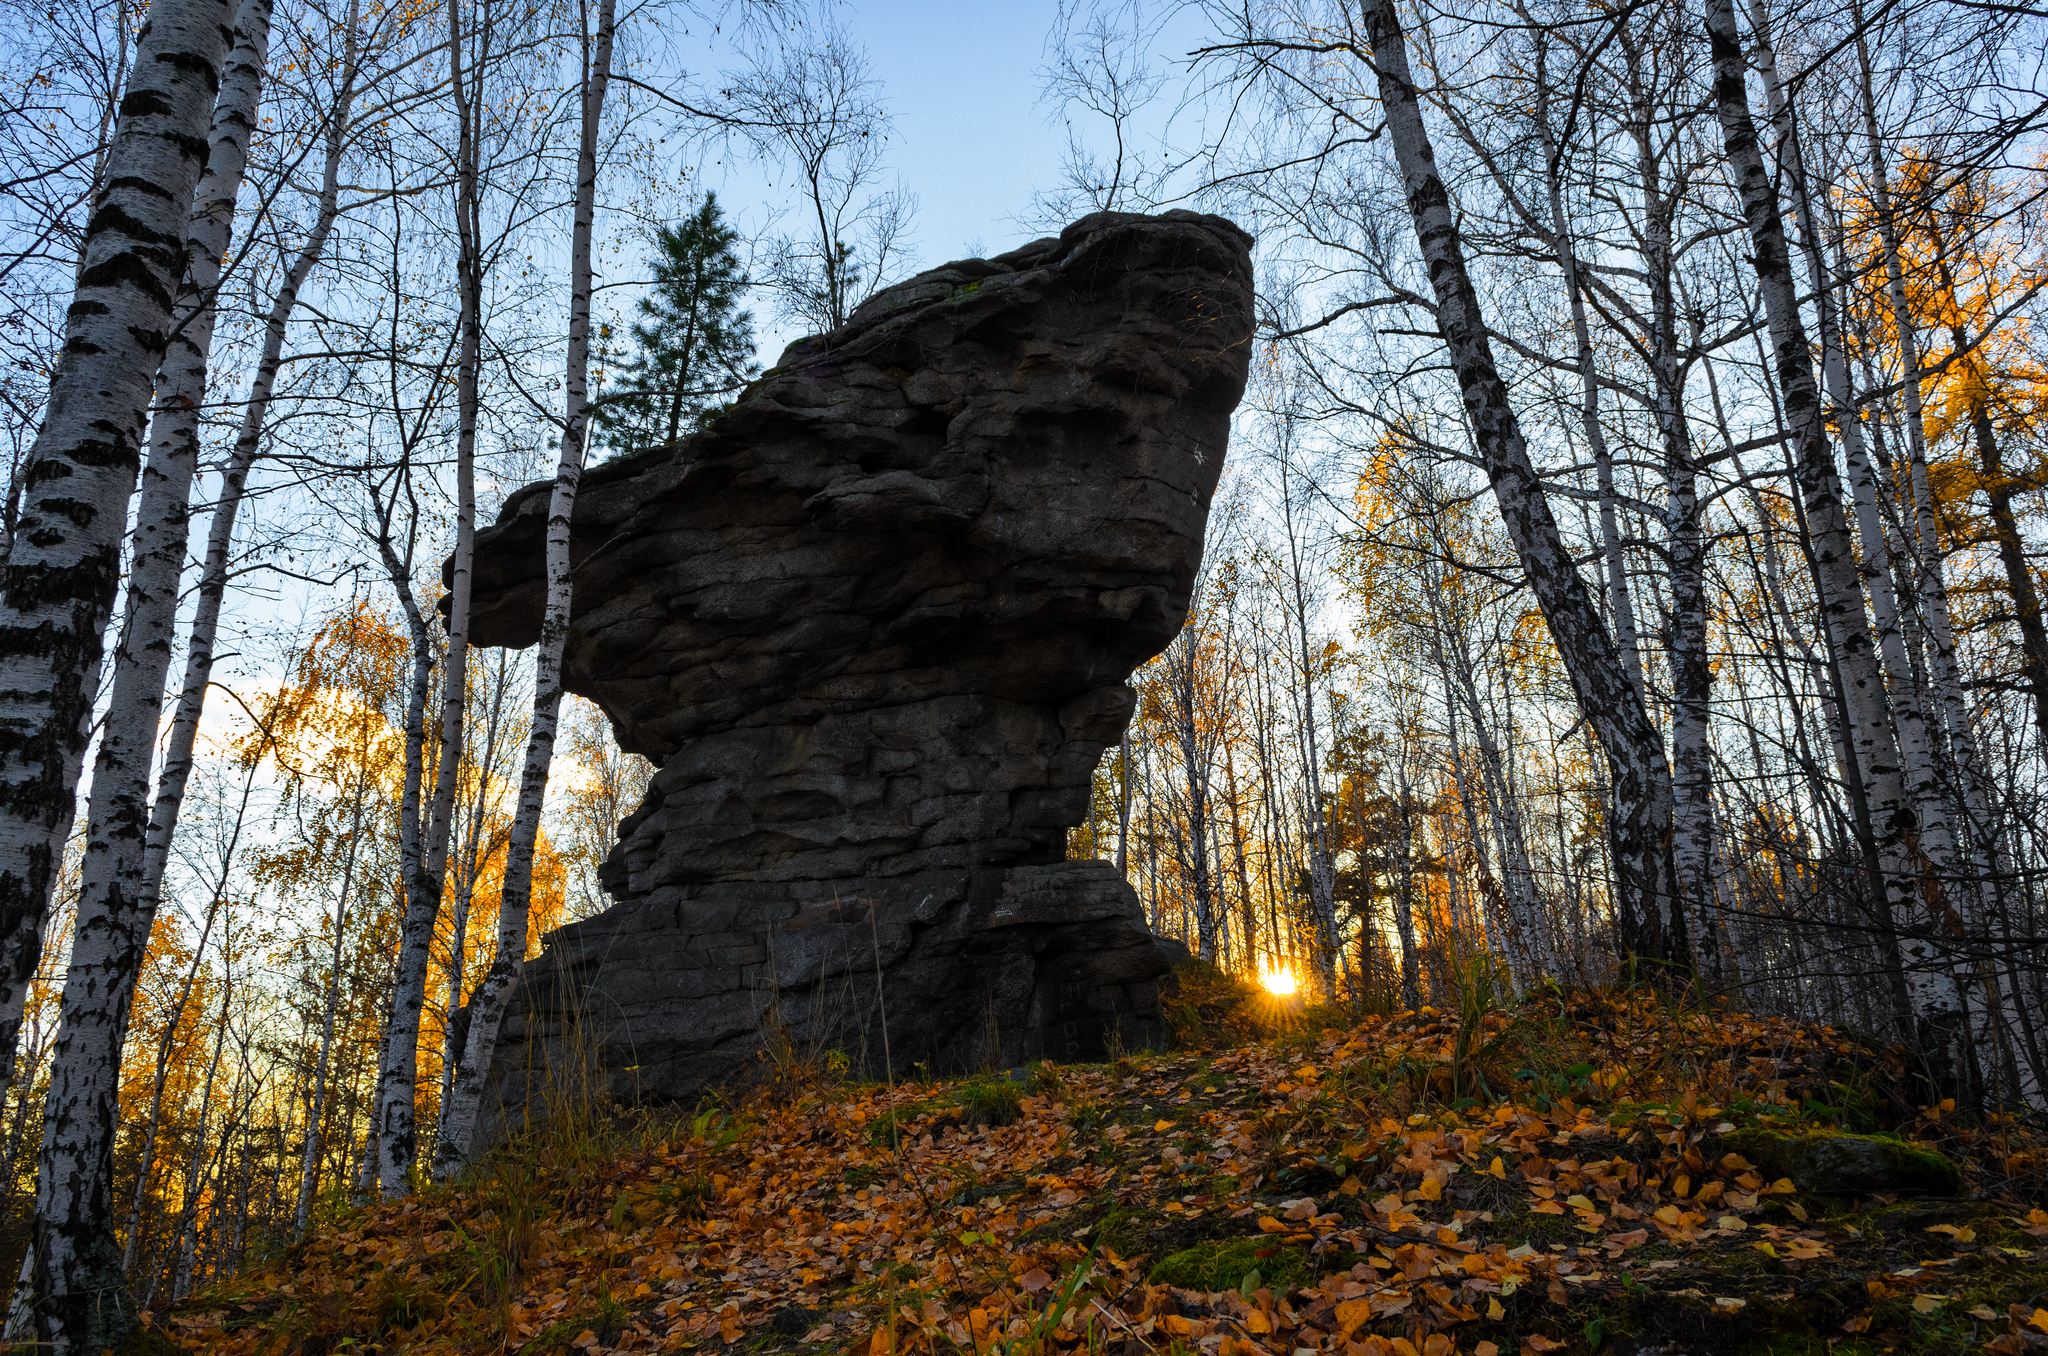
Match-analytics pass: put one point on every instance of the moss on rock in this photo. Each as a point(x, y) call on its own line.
point(1836, 1163)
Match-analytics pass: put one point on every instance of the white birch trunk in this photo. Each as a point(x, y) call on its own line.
point(63, 564)
point(1614, 565)
point(1645, 892)
point(464, 880)
point(487, 1008)
point(395, 1130)
point(211, 590)
point(1916, 749)
point(80, 1295)
point(411, 790)
point(1930, 587)
point(1952, 908)
point(1937, 1005)
point(1692, 847)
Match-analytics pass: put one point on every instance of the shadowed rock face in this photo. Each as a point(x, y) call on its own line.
point(874, 625)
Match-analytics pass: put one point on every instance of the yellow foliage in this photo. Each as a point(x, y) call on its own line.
point(1966, 270)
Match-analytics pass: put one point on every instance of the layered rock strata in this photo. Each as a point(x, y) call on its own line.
point(873, 624)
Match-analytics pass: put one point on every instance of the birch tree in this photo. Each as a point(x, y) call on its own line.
point(394, 1129)
point(487, 1008)
point(63, 560)
point(1937, 1007)
point(81, 1302)
point(210, 592)
point(1651, 924)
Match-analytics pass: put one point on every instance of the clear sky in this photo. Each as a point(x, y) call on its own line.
point(973, 140)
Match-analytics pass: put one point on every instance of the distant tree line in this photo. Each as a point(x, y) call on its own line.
point(1660, 400)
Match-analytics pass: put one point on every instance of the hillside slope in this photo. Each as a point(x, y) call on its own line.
point(1575, 1173)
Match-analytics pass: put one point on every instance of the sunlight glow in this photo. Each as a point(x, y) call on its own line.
point(1277, 981)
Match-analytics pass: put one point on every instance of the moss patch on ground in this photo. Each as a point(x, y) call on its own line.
point(1234, 1264)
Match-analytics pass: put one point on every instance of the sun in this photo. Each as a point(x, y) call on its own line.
point(1278, 981)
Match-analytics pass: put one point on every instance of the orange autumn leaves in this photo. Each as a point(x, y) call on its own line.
point(1967, 265)
point(1319, 1194)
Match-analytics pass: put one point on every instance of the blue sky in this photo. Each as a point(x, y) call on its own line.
point(972, 136)
point(972, 139)
point(975, 138)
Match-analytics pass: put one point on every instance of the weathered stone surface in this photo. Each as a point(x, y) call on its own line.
point(874, 626)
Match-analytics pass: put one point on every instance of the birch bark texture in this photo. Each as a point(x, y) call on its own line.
point(1930, 584)
point(1649, 921)
point(81, 1298)
point(63, 563)
point(211, 590)
point(1937, 1006)
point(487, 1008)
point(1612, 560)
point(395, 1133)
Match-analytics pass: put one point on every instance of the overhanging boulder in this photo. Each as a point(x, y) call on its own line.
point(874, 624)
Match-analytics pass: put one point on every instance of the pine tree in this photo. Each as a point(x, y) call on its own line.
point(695, 343)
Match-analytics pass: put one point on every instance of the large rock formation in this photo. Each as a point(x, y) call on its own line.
point(874, 624)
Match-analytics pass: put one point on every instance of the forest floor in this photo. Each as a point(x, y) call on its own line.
point(1573, 1173)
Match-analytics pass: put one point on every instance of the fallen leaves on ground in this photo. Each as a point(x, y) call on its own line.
point(1545, 1179)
